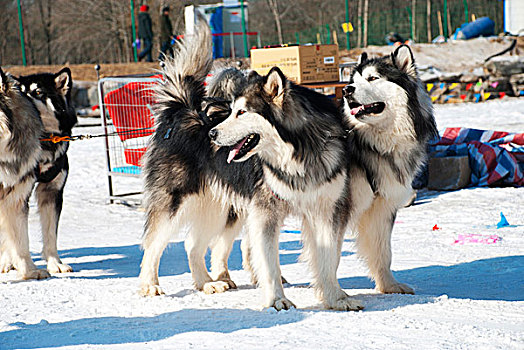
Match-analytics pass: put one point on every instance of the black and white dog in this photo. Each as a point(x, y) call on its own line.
point(20, 152)
point(187, 180)
point(51, 94)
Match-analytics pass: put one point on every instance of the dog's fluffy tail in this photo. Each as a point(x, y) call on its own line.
point(186, 72)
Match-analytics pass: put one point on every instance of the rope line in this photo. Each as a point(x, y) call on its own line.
point(57, 139)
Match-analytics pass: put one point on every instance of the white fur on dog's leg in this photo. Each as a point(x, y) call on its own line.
point(151, 290)
point(396, 288)
point(263, 232)
point(55, 265)
point(5, 263)
point(322, 250)
point(282, 304)
point(345, 303)
point(220, 251)
point(37, 274)
point(155, 241)
point(215, 287)
point(374, 244)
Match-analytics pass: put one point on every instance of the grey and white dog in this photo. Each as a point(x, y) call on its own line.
point(187, 180)
point(51, 94)
point(20, 152)
point(299, 137)
point(391, 120)
point(331, 169)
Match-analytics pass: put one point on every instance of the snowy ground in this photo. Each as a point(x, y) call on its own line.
point(469, 296)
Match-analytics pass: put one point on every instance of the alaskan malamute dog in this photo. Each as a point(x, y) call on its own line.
point(187, 180)
point(51, 94)
point(299, 135)
point(331, 169)
point(20, 151)
point(391, 119)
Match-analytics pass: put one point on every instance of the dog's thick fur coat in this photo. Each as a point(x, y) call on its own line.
point(187, 180)
point(51, 94)
point(391, 119)
point(20, 152)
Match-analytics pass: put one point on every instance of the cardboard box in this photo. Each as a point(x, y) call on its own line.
point(302, 64)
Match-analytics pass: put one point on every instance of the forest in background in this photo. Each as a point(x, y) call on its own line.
point(100, 31)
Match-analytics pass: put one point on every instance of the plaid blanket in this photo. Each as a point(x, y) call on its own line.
point(496, 158)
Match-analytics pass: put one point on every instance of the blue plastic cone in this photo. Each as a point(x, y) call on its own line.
point(503, 222)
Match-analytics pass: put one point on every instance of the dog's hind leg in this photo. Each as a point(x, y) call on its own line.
point(263, 228)
point(374, 244)
point(221, 249)
point(50, 198)
point(322, 248)
point(14, 210)
point(160, 227)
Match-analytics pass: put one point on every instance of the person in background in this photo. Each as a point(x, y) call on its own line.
point(145, 33)
point(166, 34)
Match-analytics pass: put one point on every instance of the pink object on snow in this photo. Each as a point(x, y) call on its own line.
point(476, 238)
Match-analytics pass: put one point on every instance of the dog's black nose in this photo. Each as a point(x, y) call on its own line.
point(348, 90)
point(213, 133)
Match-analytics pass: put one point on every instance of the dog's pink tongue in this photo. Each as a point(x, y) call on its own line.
point(234, 151)
point(356, 110)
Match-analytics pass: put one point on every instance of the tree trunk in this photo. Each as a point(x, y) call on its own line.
point(414, 20)
point(366, 8)
point(428, 19)
point(273, 6)
point(359, 24)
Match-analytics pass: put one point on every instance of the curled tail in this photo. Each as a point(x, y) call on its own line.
point(186, 71)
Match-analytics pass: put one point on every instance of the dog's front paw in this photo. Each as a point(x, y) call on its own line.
point(216, 287)
point(282, 304)
point(396, 288)
point(6, 267)
point(36, 274)
point(150, 290)
point(346, 303)
point(58, 267)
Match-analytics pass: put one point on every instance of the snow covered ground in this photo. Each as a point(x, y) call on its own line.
point(469, 296)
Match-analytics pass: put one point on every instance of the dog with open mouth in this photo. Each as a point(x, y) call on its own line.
point(390, 116)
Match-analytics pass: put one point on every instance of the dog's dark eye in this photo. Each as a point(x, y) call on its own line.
point(38, 92)
point(240, 112)
point(371, 78)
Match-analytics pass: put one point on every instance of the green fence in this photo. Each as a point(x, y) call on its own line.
point(453, 13)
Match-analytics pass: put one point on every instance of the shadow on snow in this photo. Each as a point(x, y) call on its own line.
point(122, 330)
point(498, 278)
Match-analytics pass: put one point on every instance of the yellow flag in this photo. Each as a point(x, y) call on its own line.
point(487, 95)
point(433, 98)
point(429, 87)
point(454, 85)
point(347, 27)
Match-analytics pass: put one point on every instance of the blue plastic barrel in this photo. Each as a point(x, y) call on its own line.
point(483, 26)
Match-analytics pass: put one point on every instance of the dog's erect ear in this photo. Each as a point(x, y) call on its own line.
point(362, 58)
point(274, 86)
point(402, 57)
point(253, 75)
point(3, 81)
point(63, 81)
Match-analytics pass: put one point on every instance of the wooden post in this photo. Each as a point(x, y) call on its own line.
point(450, 28)
point(413, 20)
point(428, 19)
point(359, 24)
point(440, 30)
point(335, 39)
